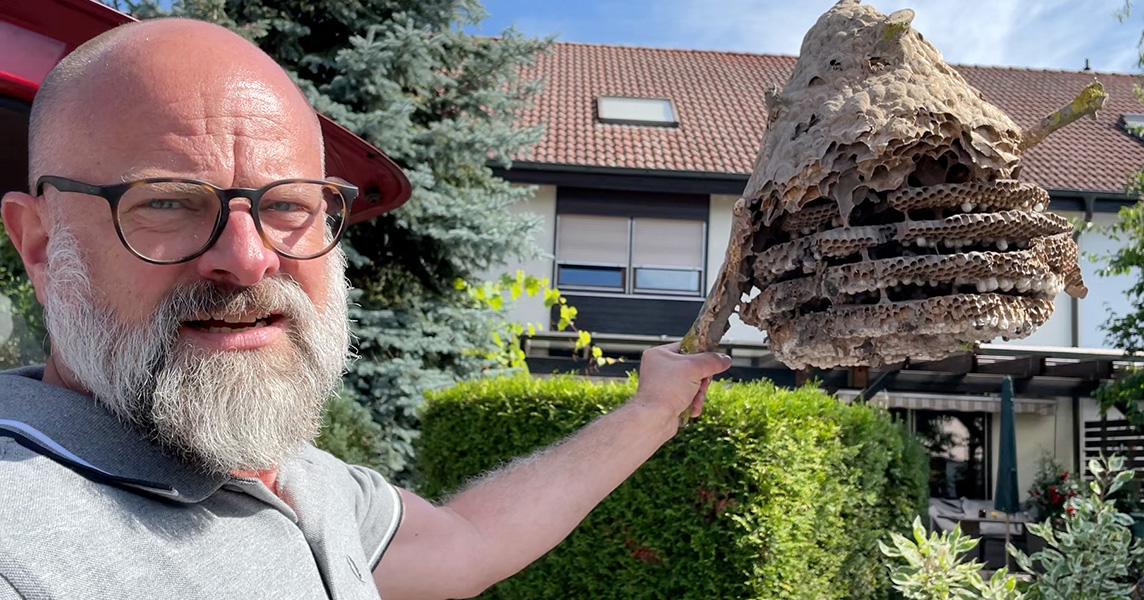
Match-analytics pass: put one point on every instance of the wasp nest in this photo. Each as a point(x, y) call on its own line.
point(884, 220)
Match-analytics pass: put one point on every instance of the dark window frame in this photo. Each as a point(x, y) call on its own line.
point(632, 206)
point(911, 419)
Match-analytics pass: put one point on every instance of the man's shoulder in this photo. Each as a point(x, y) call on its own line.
point(319, 469)
point(36, 491)
point(20, 380)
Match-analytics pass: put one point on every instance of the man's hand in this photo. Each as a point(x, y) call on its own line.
point(673, 382)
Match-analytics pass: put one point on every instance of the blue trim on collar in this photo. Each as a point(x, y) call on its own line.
point(108, 450)
point(35, 440)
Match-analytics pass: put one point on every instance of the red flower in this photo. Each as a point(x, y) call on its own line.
point(1072, 494)
point(1064, 476)
point(1070, 510)
point(1053, 489)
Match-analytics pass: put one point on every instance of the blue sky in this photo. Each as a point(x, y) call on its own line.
point(1052, 34)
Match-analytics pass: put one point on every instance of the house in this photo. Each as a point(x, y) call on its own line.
point(644, 154)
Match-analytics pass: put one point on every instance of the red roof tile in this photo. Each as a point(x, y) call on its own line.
point(719, 98)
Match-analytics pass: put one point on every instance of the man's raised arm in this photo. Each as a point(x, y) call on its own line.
point(503, 522)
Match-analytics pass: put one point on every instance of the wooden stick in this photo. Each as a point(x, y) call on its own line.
point(1090, 100)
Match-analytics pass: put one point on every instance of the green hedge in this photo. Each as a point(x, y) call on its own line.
point(773, 493)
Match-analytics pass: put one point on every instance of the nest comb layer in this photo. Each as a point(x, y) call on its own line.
point(884, 220)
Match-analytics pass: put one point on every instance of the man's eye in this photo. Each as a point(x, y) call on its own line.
point(166, 203)
point(283, 206)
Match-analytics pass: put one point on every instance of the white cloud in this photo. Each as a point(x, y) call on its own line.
point(1057, 34)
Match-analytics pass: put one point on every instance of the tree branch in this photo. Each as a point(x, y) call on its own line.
point(1090, 100)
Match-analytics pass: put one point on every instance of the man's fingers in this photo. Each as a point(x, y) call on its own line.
point(700, 397)
point(711, 363)
point(705, 364)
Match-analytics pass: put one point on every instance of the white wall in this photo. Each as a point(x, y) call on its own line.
point(1106, 295)
point(1037, 435)
point(718, 234)
point(543, 204)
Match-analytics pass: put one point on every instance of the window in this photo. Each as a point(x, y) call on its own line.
point(630, 255)
point(1133, 124)
point(958, 445)
point(636, 111)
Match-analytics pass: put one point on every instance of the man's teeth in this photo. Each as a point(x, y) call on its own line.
point(241, 319)
point(210, 322)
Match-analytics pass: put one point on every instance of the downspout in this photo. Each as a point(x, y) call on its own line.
point(1089, 208)
point(1076, 428)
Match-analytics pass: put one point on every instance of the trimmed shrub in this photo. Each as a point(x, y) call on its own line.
point(772, 493)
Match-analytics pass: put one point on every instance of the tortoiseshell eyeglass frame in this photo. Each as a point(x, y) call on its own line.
point(114, 192)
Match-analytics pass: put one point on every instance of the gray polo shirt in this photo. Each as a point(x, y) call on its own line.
point(90, 509)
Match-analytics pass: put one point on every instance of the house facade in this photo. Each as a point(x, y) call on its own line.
point(646, 151)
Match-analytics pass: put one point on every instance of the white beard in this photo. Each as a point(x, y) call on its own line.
point(221, 411)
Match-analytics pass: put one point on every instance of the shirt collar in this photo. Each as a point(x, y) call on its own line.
point(77, 431)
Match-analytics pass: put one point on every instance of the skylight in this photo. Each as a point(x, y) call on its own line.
point(636, 111)
point(1133, 124)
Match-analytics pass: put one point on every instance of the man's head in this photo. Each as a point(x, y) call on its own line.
point(226, 357)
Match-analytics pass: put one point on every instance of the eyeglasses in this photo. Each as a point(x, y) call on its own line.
point(169, 220)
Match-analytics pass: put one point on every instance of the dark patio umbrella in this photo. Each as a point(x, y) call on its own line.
point(1007, 498)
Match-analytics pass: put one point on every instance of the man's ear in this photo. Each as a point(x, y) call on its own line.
point(29, 235)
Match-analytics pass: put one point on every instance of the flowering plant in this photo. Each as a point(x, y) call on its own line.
point(1051, 490)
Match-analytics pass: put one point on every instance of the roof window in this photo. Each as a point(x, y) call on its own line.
point(659, 112)
point(1133, 123)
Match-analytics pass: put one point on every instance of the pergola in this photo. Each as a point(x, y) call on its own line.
point(1038, 372)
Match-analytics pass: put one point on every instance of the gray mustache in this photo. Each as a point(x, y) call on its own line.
point(281, 295)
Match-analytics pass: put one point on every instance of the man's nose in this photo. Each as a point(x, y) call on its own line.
point(239, 256)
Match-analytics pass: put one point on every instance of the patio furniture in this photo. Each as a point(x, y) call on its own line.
point(978, 519)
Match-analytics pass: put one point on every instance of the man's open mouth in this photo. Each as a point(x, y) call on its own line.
point(231, 323)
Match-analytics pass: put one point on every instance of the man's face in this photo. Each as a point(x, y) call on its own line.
point(228, 357)
point(231, 131)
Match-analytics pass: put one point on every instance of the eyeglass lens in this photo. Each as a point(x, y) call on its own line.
point(169, 221)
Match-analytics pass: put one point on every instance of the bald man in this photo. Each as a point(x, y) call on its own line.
point(182, 238)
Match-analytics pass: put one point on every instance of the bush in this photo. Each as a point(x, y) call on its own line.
point(934, 568)
point(1089, 553)
point(1051, 490)
point(23, 335)
point(1092, 555)
point(350, 433)
point(772, 494)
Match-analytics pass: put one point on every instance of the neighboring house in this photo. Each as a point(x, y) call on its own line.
point(645, 152)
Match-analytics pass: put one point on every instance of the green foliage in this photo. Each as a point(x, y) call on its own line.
point(771, 494)
point(1089, 555)
point(22, 331)
point(405, 75)
point(1127, 331)
point(506, 334)
point(350, 433)
point(931, 568)
point(1051, 490)
point(1093, 555)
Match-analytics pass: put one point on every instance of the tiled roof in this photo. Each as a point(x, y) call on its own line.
point(719, 98)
